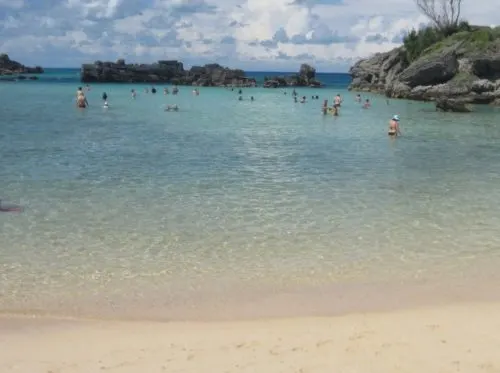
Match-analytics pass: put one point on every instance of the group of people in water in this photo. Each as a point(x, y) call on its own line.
point(393, 131)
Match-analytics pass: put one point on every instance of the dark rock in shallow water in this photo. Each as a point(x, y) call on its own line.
point(306, 77)
point(10, 67)
point(164, 72)
point(453, 105)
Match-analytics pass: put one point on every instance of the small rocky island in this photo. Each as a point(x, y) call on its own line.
point(164, 72)
point(306, 77)
point(14, 70)
point(454, 70)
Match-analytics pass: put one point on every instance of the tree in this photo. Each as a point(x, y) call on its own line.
point(445, 14)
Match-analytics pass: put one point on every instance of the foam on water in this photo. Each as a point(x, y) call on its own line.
point(133, 205)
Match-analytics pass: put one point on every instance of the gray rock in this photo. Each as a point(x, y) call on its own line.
point(399, 90)
point(378, 72)
point(165, 71)
point(306, 77)
point(465, 66)
point(487, 67)
point(483, 85)
point(452, 105)
point(10, 67)
point(430, 70)
point(419, 93)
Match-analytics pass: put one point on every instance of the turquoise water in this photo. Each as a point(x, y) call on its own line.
point(132, 206)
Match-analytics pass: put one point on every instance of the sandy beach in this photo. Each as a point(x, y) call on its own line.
point(454, 338)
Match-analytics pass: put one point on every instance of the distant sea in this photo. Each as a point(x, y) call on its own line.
point(69, 75)
point(238, 208)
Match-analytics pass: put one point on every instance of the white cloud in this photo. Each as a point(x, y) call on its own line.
point(14, 4)
point(252, 34)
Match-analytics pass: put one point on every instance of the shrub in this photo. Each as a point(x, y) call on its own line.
point(416, 42)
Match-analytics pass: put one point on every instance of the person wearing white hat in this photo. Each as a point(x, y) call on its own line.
point(394, 126)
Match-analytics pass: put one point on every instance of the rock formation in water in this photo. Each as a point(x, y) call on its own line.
point(306, 77)
point(14, 69)
point(462, 69)
point(164, 72)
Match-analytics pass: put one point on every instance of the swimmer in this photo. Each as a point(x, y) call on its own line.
point(10, 208)
point(251, 98)
point(367, 104)
point(173, 107)
point(337, 101)
point(303, 100)
point(175, 90)
point(358, 98)
point(81, 101)
point(133, 93)
point(394, 127)
point(104, 96)
point(324, 109)
point(165, 91)
point(153, 90)
point(240, 98)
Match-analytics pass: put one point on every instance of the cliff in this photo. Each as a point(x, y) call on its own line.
point(306, 77)
point(463, 67)
point(164, 72)
point(10, 67)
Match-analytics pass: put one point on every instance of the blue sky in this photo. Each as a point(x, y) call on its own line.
point(249, 34)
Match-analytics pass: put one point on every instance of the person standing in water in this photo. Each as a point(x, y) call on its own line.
point(337, 101)
point(104, 96)
point(394, 127)
point(81, 100)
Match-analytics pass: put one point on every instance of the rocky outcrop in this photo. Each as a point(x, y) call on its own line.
point(164, 72)
point(14, 68)
point(306, 77)
point(453, 69)
point(455, 105)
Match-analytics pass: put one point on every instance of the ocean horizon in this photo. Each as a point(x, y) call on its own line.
point(72, 75)
point(240, 208)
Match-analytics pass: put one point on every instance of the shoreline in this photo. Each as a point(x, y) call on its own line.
point(236, 304)
point(445, 338)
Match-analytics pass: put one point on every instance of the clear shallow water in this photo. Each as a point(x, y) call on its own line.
point(132, 206)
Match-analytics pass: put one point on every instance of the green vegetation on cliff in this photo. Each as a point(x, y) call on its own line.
point(431, 39)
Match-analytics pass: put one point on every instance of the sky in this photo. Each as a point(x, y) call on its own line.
point(254, 35)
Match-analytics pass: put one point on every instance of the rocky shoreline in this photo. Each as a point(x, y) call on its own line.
point(172, 72)
point(455, 72)
point(306, 77)
point(14, 70)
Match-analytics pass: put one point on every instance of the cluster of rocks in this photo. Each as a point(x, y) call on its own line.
point(13, 69)
point(164, 72)
point(454, 76)
point(306, 77)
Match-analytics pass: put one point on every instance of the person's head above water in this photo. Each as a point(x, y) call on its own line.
point(396, 118)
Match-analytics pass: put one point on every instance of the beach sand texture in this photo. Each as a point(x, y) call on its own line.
point(456, 338)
